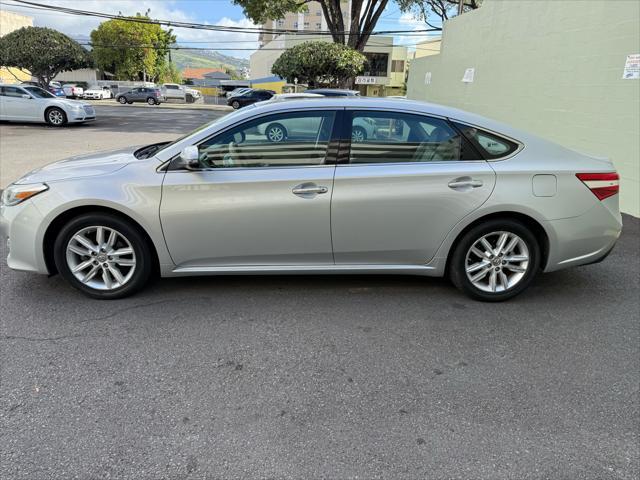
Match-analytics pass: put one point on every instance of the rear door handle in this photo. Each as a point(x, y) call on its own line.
point(463, 183)
point(306, 189)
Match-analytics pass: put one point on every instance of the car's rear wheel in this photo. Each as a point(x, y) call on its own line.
point(235, 104)
point(122, 100)
point(276, 133)
point(495, 260)
point(103, 256)
point(151, 101)
point(55, 117)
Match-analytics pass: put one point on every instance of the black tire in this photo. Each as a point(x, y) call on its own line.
point(358, 134)
point(143, 257)
point(458, 261)
point(152, 101)
point(122, 100)
point(55, 117)
point(235, 104)
point(129, 102)
point(276, 133)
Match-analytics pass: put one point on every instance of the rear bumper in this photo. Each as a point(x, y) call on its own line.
point(582, 240)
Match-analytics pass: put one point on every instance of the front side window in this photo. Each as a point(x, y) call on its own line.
point(282, 140)
point(394, 137)
point(39, 92)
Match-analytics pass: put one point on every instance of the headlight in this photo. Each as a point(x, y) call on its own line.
point(15, 194)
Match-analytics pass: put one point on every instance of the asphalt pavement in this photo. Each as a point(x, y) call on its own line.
point(322, 376)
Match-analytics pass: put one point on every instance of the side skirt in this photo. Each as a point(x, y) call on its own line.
point(424, 270)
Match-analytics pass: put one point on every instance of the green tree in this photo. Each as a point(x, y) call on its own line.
point(438, 10)
point(132, 50)
point(44, 52)
point(169, 73)
point(363, 14)
point(319, 63)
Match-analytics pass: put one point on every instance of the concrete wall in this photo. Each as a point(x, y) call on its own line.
point(551, 67)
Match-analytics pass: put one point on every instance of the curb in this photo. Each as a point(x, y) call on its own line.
point(178, 106)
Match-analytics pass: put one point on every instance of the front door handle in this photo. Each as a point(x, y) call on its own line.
point(465, 183)
point(307, 189)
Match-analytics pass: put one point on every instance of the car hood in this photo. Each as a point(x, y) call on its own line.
point(100, 163)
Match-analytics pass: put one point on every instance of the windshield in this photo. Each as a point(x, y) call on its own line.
point(39, 92)
point(202, 127)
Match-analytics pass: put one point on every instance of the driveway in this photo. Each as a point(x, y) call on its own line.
point(320, 376)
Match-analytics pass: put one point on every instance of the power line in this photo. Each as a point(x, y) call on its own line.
point(203, 26)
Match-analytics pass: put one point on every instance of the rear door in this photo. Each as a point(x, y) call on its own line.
point(402, 188)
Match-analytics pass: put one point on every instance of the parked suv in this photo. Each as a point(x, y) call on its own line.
point(151, 95)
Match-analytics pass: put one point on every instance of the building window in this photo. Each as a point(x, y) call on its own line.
point(280, 23)
point(295, 24)
point(306, 25)
point(376, 64)
point(318, 26)
point(397, 66)
point(318, 13)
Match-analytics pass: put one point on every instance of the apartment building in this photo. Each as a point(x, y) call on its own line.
point(311, 21)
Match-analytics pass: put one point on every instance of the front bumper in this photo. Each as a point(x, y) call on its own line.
point(19, 228)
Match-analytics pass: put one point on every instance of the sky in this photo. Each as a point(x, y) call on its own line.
point(216, 12)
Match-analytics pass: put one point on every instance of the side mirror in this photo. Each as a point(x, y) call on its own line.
point(189, 158)
point(24, 95)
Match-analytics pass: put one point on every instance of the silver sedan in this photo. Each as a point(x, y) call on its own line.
point(431, 191)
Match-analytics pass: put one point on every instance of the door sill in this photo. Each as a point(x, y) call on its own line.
point(305, 270)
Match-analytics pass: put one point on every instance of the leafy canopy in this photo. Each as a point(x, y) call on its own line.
point(132, 49)
point(433, 11)
point(319, 63)
point(363, 15)
point(42, 51)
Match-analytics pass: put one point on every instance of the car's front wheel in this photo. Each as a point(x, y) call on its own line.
point(495, 260)
point(122, 100)
point(103, 256)
point(55, 117)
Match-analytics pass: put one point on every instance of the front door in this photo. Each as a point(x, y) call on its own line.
point(409, 180)
point(253, 201)
point(15, 107)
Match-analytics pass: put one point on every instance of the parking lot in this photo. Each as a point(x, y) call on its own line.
point(311, 377)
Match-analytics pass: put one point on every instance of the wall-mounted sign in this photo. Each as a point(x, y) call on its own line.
point(365, 80)
point(632, 67)
point(427, 78)
point(469, 73)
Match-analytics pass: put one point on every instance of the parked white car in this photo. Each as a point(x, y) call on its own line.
point(71, 90)
point(33, 104)
point(179, 92)
point(97, 92)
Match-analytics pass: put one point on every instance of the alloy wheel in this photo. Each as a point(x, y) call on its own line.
point(101, 257)
point(357, 135)
point(497, 261)
point(56, 117)
point(275, 134)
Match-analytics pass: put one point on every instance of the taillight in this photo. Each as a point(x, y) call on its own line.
point(603, 185)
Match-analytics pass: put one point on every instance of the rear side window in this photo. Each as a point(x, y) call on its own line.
point(396, 137)
point(491, 146)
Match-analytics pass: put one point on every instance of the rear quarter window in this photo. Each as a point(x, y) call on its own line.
point(491, 146)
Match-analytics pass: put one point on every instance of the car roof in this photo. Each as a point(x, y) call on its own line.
point(396, 104)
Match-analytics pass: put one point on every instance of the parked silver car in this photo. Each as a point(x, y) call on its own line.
point(435, 191)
